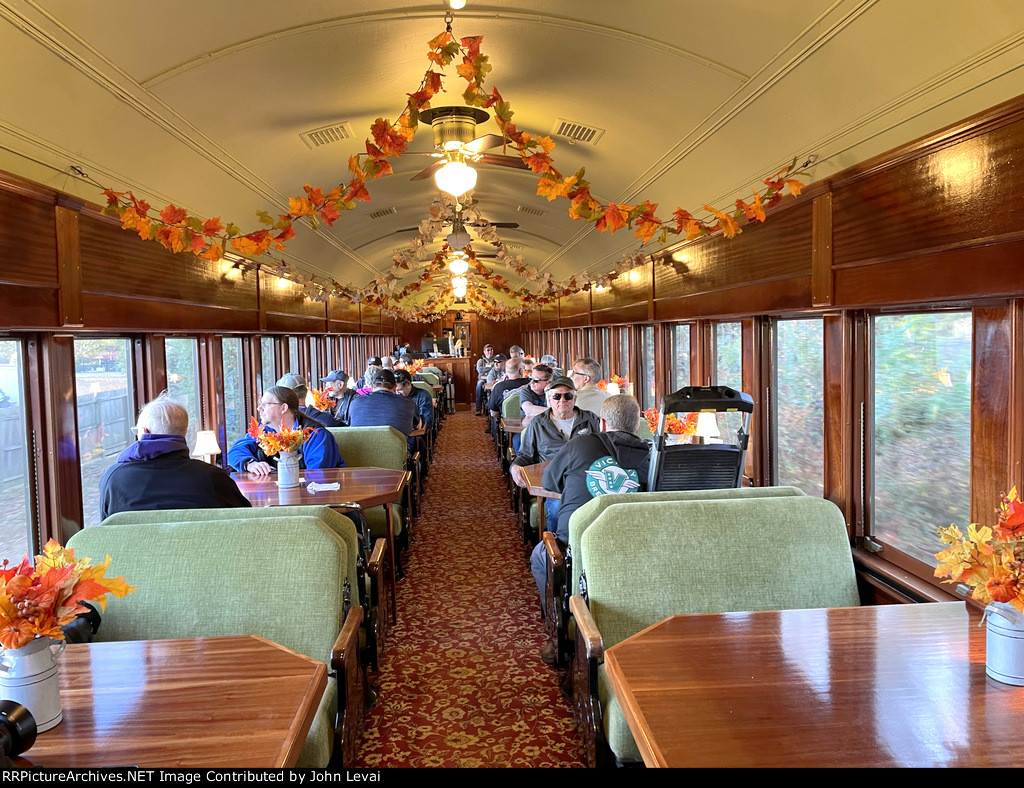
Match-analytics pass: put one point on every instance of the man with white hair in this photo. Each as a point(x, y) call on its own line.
point(156, 471)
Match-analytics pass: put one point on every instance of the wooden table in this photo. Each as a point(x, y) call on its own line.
point(367, 487)
point(535, 486)
point(892, 685)
point(513, 425)
point(227, 701)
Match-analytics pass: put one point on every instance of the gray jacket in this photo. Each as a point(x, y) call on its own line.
point(542, 439)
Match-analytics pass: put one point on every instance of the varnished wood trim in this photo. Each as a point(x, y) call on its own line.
point(913, 586)
point(69, 267)
point(821, 252)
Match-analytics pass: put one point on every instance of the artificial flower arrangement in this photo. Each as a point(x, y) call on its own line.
point(412, 368)
point(990, 561)
point(322, 400)
point(622, 383)
point(686, 426)
point(38, 599)
point(283, 439)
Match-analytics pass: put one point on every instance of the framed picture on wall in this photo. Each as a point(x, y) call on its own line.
point(461, 331)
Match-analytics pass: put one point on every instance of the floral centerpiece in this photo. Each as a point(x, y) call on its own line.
point(280, 440)
point(39, 598)
point(988, 560)
point(615, 385)
point(685, 427)
point(322, 399)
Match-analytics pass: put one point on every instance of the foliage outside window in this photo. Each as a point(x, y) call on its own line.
point(799, 405)
point(294, 365)
point(680, 356)
point(728, 367)
point(234, 390)
point(268, 369)
point(16, 526)
point(182, 355)
point(922, 429)
point(647, 393)
point(106, 412)
point(623, 370)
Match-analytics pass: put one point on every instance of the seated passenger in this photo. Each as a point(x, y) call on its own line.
point(497, 371)
point(613, 460)
point(338, 390)
point(586, 374)
point(531, 396)
point(373, 366)
point(156, 471)
point(280, 407)
point(297, 383)
point(514, 379)
point(383, 407)
point(424, 401)
point(483, 367)
point(549, 432)
point(552, 362)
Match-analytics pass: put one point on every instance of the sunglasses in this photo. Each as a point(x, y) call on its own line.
point(567, 395)
point(539, 380)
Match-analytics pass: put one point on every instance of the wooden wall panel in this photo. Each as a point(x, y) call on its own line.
point(626, 300)
point(25, 306)
point(343, 310)
point(573, 307)
point(28, 240)
point(777, 250)
point(282, 297)
point(782, 296)
point(106, 312)
point(991, 393)
point(954, 192)
point(547, 315)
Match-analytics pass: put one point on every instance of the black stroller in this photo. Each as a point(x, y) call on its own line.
point(713, 463)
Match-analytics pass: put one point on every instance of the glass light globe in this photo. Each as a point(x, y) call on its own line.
point(460, 282)
point(456, 178)
point(456, 5)
point(458, 265)
point(459, 292)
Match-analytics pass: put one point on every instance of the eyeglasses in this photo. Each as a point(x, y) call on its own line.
point(267, 404)
point(579, 374)
point(566, 395)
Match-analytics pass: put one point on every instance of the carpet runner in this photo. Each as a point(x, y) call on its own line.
point(462, 683)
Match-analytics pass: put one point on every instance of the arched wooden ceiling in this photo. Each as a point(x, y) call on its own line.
point(203, 103)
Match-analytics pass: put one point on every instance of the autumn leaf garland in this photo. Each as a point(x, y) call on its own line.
point(177, 231)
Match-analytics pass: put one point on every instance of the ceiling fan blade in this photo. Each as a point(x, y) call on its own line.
point(422, 174)
point(503, 161)
point(500, 225)
point(483, 143)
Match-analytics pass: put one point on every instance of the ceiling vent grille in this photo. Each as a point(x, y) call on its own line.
point(325, 135)
point(530, 211)
point(512, 245)
point(402, 250)
point(577, 132)
point(383, 212)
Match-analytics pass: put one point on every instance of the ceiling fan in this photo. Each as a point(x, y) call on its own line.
point(453, 129)
point(459, 237)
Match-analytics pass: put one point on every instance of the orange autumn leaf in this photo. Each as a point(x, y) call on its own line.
point(440, 40)
point(726, 223)
point(546, 143)
point(551, 187)
point(254, 244)
point(173, 215)
point(613, 218)
point(214, 252)
point(300, 206)
point(795, 187)
point(212, 227)
point(172, 238)
point(472, 46)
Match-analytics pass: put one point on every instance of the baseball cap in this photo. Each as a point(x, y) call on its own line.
point(567, 382)
point(385, 378)
point(336, 374)
point(374, 362)
point(550, 360)
point(292, 381)
point(402, 376)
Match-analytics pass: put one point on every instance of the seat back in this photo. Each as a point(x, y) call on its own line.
point(224, 577)
point(431, 379)
point(433, 371)
point(583, 517)
point(511, 406)
point(371, 447)
point(646, 561)
point(427, 387)
point(333, 519)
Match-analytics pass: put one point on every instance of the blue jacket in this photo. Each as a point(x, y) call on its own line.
point(425, 405)
point(319, 451)
point(383, 409)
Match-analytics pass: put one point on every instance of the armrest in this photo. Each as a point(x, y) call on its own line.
point(351, 689)
point(554, 551)
point(346, 647)
point(586, 628)
point(380, 549)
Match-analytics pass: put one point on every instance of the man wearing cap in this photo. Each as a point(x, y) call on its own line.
point(552, 362)
point(483, 366)
point(424, 401)
point(549, 432)
point(338, 390)
point(373, 364)
point(497, 371)
point(297, 383)
point(384, 407)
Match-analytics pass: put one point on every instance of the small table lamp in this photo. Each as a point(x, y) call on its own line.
point(707, 428)
point(206, 445)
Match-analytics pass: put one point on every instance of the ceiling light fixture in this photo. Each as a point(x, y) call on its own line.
point(458, 265)
point(460, 282)
point(456, 177)
point(456, 5)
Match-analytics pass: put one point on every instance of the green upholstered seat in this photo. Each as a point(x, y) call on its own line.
point(646, 561)
point(430, 378)
point(427, 387)
point(221, 577)
point(374, 447)
point(511, 407)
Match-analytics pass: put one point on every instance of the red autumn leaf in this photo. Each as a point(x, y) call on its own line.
point(212, 226)
point(173, 215)
point(285, 235)
point(196, 241)
point(539, 162)
point(141, 206)
point(357, 191)
point(172, 238)
point(472, 46)
point(494, 99)
point(432, 83)
point(112, 197)
point(613, 218)
point(329, 213)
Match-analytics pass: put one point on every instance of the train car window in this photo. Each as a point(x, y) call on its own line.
point(604, 347)
point(315, 373)
point(269, 367)
point(16, 526)
point(728, 367)
point(680, 356)
point(106, 412)
point(294, 361)
point(647, 391)
point(921, 429)
point(798, 435)
point(182, 355)
point(235, 415)
point(623, 366)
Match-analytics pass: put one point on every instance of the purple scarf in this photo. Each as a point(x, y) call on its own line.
point(150, 446)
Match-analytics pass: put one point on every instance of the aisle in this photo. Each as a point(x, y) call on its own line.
point(462, 683)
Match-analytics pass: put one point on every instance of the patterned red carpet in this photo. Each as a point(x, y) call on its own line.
point(462, 683)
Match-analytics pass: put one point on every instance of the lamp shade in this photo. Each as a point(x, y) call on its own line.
point(206, 444)
point(460, 282)
point(456, 177)
point(458, 265)
point(707, 427)
point(459, 292)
